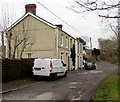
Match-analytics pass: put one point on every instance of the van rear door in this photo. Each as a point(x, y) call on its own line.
point(41, 67)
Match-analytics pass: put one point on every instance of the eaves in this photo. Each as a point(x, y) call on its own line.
point(30, 14)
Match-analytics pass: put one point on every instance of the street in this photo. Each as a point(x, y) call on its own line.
point(78, 85)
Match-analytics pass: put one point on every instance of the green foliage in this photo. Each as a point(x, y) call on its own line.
point(16, 81)
point(73, 54)
point(96, 52)
point(109, 89)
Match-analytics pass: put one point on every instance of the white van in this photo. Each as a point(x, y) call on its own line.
point(49, 67)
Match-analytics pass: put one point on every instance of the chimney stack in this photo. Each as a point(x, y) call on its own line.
point(30, 8)
point(59, 26)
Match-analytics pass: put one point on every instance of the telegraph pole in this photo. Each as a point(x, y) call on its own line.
point(92, 56)
point(91, 43)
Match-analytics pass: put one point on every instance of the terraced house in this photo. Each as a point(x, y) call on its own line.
point(33, 37)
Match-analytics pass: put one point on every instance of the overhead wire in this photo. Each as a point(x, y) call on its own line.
point(58, 17)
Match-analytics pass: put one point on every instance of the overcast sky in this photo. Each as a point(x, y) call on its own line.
point(87, 24)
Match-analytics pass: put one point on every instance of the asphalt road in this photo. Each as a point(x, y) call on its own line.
point(78, 85)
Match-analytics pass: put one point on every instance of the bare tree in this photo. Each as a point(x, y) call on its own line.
point(3, 45)
point(114, 29)
point(20, 39)
point(110, 26)
point(16, 45)
point(105, 9)
point(82, 6)
point(25, 42)
point(108, 48)
point(17, 41)
point(4, 23)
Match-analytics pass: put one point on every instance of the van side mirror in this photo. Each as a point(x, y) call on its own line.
point(64, 65)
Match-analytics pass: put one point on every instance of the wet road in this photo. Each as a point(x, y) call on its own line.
point(78, 85)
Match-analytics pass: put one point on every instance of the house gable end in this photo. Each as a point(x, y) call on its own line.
point(34, 16)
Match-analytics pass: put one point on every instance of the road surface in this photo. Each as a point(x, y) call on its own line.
point(78, 85)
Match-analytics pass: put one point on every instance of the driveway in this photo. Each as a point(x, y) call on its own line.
point(78, 85)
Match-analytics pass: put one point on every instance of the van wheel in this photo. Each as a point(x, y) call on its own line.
point(35, 77)
point(55, 76)
point(94, 67)
point(65, 74)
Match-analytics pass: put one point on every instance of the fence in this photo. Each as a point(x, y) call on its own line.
point(16, 69)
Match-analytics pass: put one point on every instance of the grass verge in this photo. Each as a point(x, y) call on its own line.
point(16, 81)
point(109, 89)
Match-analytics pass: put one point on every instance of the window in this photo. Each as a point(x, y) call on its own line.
point(81, 49)
point(62, 56)
point(61, 39)
point(29, 55)
point(67, 59)
point(70, 43)
point(66, 42)
point(78, 47)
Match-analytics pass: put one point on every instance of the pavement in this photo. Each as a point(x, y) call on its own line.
point(17, 86)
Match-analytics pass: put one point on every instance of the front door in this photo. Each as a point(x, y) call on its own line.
point(68, 63)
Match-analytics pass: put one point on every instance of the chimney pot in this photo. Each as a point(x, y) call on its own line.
point(59, 26)
point(30, 8)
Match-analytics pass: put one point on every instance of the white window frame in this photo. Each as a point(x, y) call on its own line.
point(70, 43)
point(78, 47)
point(61, 39)
point(29, 55)
point(66, 42)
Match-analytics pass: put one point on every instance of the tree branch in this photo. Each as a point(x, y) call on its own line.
point(20, 42)
point(94, 5)
point(89, 6)
point(116, 33)
point(109, 16)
